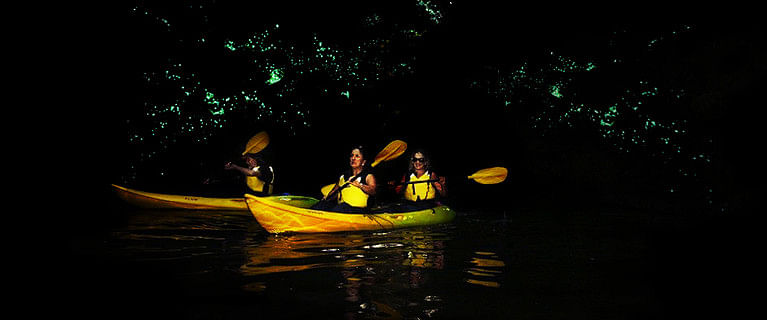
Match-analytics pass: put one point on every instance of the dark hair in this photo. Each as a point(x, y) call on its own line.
point(362, 151)
point(426, 163)
point(365, 167)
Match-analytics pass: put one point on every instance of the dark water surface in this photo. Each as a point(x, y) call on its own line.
point(584, 264)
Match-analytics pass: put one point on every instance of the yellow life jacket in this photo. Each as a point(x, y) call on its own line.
point(352, 195)
point(257, 185)
point(420, 191)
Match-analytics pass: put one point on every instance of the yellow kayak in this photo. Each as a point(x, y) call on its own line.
point(278, 214)
point(170, 201)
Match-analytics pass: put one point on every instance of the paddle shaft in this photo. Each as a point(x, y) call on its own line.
point(472, 177)
point(416, 182)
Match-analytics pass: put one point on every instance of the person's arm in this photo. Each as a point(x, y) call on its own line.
point(370, 187)
point(440, 184)
point(243, 170)
point(401, 186)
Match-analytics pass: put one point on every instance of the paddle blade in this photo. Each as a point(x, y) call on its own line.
point(490, 175)
point(326, 189)
point(393, 150)
point(257, 143)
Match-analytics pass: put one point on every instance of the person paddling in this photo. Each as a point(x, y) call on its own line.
point(353, 188)
point(259, 176)
point(421, 187)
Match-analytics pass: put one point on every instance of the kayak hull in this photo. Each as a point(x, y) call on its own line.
point(151, 200)
point(278, 214)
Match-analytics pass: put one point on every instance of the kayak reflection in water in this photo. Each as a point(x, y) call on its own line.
point(421, 187)
point(353, 189)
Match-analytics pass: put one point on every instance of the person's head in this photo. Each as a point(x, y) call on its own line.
point(419, 160)
point(253, 159)
point(357, 157)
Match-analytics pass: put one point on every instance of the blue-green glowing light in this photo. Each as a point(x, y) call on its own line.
point(554, 90)
point(431, 10)
point(276, 76)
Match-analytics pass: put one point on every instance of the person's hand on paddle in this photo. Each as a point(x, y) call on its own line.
point(440, 185)
point(392, 151)
point(356, 184)
point(368, 188)
point(331, 192)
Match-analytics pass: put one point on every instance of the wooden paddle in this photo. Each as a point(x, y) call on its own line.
point(392, 151)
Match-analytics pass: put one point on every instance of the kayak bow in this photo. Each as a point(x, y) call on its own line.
point(169, 201)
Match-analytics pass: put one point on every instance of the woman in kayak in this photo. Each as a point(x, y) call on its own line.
point(421, 186)
point(353, 188)
point(259, 176)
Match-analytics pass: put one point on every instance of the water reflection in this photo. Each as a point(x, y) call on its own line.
point(299, 252)
point(283, 253)
point(575, 264)
point(178, 235)
point(406, 273)
point(487, 267)
point(383, 273)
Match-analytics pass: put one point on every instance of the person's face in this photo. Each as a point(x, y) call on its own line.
point(355, 159)
point(418, 161)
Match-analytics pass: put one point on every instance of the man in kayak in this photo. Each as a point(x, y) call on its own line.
point(421, 187)
point(259, 176)
point(353, 189)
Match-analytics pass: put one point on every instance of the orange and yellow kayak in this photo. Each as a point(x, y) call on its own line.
point(170, 201)
point(278, 214)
